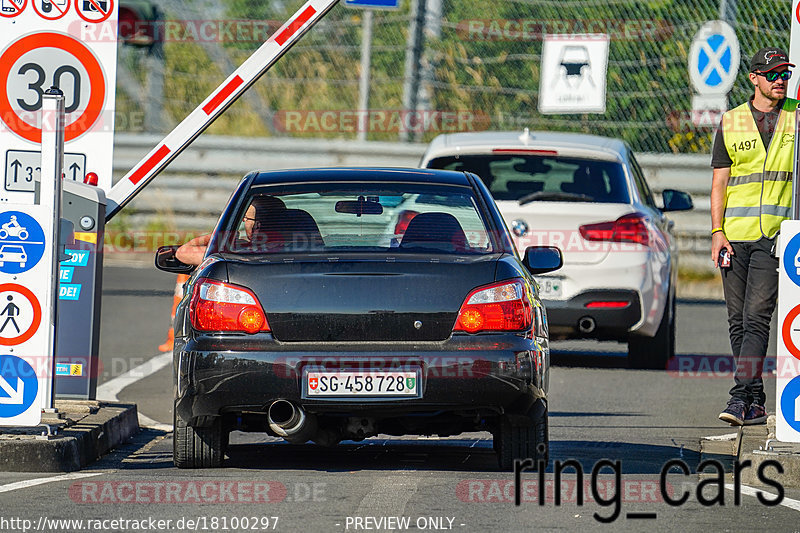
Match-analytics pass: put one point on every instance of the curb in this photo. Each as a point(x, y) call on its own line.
point(88, 430)
point(753, 448)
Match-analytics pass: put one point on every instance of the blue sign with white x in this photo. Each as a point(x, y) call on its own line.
point(714, 58)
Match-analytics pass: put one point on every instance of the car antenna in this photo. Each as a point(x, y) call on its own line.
point(526, 136)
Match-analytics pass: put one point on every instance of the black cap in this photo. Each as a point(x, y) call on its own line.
point(768, 59)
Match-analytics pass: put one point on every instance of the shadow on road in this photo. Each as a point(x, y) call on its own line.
point(152, 450)
point(444, 455)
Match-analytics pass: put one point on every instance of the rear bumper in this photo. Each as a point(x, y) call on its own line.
point(565, 316)
point(217, 375)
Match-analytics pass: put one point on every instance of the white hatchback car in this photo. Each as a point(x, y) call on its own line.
point(588, 196)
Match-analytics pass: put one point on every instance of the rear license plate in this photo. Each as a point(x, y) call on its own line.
point(349, 383)
point(550, 288)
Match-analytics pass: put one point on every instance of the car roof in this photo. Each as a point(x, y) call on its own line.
point(573, 144)
point(422, 175)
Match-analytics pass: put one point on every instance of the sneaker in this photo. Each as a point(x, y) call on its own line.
point(734, 413)
point(757, 414)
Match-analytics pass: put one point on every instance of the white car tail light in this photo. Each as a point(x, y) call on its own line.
point(627, 228)
point(218, 306)
point(503, 306)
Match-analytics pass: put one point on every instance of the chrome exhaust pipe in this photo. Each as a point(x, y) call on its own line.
point(291, 422)
point(586, 324)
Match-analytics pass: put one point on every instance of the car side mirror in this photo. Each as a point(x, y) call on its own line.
point(542, 259)
point(676, 200)
point(166, 261)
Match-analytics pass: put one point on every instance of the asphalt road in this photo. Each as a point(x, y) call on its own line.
point(599, 410)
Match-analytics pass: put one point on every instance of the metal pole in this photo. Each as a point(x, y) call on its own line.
point(363, 79)
point(52, 165)
point(154, 112)
point(427, 74)
point(413, 54)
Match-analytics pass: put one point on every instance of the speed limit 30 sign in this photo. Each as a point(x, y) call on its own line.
point(73, 46)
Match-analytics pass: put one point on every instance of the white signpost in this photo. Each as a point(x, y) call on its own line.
point(71, 44)
point(28, 254)
point(788, 362)
point(573, 74)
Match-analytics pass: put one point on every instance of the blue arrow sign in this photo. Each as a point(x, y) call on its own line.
point(789, 403)
point(21, 242)
point(18, 386)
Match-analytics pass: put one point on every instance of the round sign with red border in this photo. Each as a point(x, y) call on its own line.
point(94, 10)
point(786, 332)
point(11, 8)
point(88, 62)
point(56, 9)
point(9, 315)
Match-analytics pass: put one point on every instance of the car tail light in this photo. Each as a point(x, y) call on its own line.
point(607, 305)
point(627, 228)
point(218, 306)
point(403, 220)
point(503, 306)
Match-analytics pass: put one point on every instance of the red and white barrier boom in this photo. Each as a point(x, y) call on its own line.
point(213, 106)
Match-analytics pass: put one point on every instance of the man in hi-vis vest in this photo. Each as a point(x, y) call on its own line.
point(750, 197)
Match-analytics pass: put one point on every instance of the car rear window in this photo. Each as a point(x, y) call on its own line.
point(335, 217)
point(541, 177)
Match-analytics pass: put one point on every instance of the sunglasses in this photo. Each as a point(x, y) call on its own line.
point(773, 76)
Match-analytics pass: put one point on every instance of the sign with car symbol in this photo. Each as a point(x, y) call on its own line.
point(573, 74)
point(21, 242)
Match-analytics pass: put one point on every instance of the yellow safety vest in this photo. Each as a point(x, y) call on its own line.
point(759, 193)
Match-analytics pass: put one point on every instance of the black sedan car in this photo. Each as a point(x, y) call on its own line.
point(337, 304)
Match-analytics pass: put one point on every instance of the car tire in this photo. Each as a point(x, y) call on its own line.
point(653, 353)
point(197, 447)
point(519, 437)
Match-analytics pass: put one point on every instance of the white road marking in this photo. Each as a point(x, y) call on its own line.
point(109, 390)
point(727, 436)
point(388, 496)
point(750, 491)
point(43, 480)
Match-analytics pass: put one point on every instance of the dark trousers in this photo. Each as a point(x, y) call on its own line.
point(751, 290)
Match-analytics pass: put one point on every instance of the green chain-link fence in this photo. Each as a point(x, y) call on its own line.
point(442, 57)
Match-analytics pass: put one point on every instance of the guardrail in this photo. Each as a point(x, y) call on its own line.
point(190, 194)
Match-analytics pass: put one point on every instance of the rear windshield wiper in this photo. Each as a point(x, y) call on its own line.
point(557, 196)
